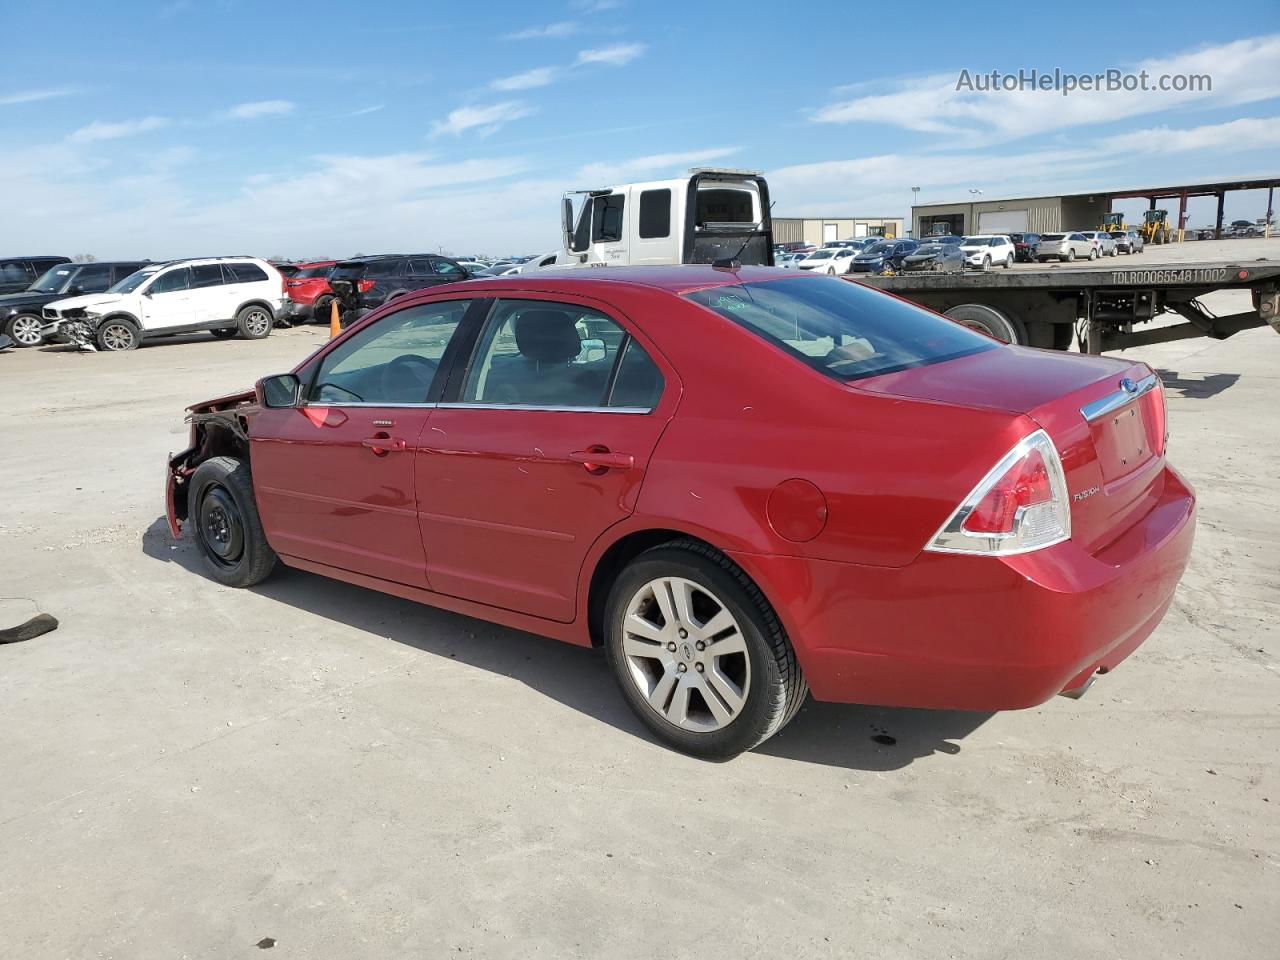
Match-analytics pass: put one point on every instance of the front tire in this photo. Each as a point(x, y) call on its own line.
point(986, 264)
point(699, 653)
point(224, 513)
point(24, 330)
point(255, 322)
point(117, 335)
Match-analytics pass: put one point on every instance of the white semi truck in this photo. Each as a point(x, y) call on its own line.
point(711, 214)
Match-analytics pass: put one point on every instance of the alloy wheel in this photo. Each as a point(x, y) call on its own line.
point(686, 654)
point(116, 336)
point(26, 330)
point(257, 322)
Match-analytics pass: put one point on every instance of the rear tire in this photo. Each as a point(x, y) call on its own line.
point(994, 323)
point(117, 335)
point(24, 330)
point(255, 322)
point(1070, 257)
point(228, 530)
point(1008, 262)
point(320, 313)
point(738, 698)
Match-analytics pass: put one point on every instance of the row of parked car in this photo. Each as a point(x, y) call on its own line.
point(116, 305)
point(951, 253)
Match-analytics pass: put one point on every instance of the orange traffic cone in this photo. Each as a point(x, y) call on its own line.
point(335, 324)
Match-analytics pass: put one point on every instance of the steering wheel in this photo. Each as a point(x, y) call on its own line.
point(407, 377)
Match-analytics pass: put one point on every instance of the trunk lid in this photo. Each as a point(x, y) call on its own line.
point(1106, 418)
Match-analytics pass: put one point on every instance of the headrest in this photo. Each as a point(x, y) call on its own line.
point(547, 336)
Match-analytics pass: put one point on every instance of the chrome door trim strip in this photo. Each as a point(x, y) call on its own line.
point(538, 408)
point(1128, 392)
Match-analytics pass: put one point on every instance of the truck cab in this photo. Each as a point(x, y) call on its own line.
point(709, 215)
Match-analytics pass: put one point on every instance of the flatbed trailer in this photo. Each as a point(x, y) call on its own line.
point(1106, 308)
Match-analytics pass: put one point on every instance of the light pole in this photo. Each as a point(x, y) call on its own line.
point(974, 194)
point(915, 200)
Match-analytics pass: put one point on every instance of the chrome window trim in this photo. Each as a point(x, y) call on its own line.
point(1114, 401)
point(548, 408)
point(363, 403)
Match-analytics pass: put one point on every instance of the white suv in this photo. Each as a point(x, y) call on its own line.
point(223, 295)
point(988, 250)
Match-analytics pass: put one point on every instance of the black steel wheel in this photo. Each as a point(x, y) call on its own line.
point(223, 512)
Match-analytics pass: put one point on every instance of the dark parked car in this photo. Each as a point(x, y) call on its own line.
point(20, 312)
point(935, 258)
point(18, 273)
point(1025, 246)
point(883, 254)
point(360, 285)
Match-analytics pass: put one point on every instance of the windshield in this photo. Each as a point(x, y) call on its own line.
point(974, 241)
point(880, 246)
point(841, 329)
point(52, 281)
point(930, 248)
point(133, 281)
point(820, 255)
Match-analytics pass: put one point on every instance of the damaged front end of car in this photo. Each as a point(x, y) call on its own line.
point(219, 427)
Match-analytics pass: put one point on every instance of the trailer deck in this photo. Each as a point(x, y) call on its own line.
point(1043, 308)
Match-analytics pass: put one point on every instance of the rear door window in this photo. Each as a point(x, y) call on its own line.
point(537, 353)
point(15, 271)
point(244, 273)
point(206, 275)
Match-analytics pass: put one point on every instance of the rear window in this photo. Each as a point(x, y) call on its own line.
point(840, 329)
point(1050, 236)
point(308, 273)
point(244, 273)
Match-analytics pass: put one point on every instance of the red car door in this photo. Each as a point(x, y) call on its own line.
point(334, 476)
point(537, 451)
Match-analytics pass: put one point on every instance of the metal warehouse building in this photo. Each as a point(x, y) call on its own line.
point(1076, 211)
point(820, 230)
point(1036, 214)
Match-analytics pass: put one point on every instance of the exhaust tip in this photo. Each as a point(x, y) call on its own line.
point(1075, 693)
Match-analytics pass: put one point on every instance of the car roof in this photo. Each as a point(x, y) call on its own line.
point(678, 279)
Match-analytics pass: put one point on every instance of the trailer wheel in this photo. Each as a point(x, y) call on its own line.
point(994, 323)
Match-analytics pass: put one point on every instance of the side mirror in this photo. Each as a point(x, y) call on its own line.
point(147, 293)
point(75, 290)
point(282, 390)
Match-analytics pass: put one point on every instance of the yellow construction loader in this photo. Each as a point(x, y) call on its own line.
point(1113, 221)
point(1155, 227)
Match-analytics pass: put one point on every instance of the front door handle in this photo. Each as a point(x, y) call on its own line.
point(598, 458)
point(382, 444)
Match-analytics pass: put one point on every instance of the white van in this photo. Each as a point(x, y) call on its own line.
point(713, 214)
point(223, 295)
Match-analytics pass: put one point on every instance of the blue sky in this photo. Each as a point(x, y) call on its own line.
point(225, 126)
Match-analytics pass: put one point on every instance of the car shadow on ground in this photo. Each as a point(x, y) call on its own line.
point(1209, 385)
point(853, 737)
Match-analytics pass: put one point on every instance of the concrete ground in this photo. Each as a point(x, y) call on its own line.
point(321, 770)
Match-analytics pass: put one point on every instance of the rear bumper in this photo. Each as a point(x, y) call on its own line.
point(980, 633)
point(295, 312)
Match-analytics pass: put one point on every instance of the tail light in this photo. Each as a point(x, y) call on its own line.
point(1020, 506)
point(364, 286)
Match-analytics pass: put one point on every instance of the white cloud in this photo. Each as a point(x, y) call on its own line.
point(1242, 71)
point(1246, 134)
point(614, 55)
point(31, 96)
point(260, 108)
point(483, 119)
point(595, 6)
point(564, 28)
point(99, 130)
point(597, 174)
point(366, 110)
point(537, 77)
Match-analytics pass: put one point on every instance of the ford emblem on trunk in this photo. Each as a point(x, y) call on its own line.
point(1128, 386)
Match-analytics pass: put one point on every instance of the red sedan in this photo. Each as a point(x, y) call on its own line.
point(745, 484)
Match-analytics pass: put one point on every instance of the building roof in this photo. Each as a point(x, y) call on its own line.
point(1197, 188)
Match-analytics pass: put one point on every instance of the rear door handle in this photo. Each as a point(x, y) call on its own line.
point(598, 458)
point(384, 444)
